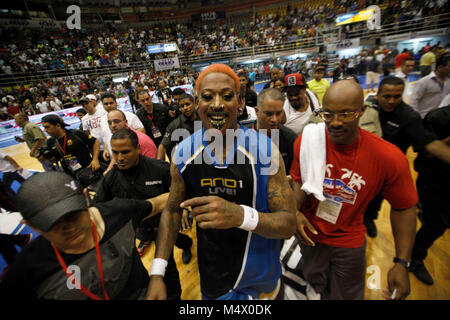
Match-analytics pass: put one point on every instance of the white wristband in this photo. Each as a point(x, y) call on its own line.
point(251, 218)
point(158, 267)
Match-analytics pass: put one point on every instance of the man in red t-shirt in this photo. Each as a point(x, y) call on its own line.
point(358, 166)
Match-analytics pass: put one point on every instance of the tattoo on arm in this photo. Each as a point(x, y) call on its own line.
point(279, 222)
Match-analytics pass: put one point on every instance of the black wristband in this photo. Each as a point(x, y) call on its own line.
point(403, 262)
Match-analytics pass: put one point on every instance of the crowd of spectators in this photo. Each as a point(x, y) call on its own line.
point(30, 50)
point(54, 95)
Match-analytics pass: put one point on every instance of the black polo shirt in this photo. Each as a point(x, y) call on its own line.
point(287, 138)
point(181, 122)
point(403, 127)
point(159, 119)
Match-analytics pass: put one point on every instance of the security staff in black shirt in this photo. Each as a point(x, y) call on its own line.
point(403, 127)
point(154, 116)
point(184, 121)
point(433, 183)
point(270, 112)
point(137, 177)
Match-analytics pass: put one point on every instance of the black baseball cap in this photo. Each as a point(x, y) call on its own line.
point(46, 197)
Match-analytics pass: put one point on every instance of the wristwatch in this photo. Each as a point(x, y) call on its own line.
point(403, 262)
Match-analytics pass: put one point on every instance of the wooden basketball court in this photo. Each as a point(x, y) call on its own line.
point(380, 251)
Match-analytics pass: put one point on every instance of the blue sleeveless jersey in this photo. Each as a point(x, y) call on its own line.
point(233, 263)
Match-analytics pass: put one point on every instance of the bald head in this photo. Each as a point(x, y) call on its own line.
point(117, 120)
point(345, 93)
point(344, 102)
point(21, 119)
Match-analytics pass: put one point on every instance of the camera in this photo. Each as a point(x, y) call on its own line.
point(175, 109)
point(48, 153)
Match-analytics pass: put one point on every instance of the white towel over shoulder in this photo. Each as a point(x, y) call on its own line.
point(313, 157)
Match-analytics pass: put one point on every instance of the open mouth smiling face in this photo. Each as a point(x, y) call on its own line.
point(218, 102)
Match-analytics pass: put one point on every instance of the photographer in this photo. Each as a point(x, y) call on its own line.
point(77, 152)
point(174, 107)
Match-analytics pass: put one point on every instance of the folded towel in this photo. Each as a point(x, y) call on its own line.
point(313, 156)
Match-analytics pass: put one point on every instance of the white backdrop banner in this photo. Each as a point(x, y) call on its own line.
point(167, 64)
point(343, 44)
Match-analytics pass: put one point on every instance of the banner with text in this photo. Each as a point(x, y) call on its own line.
point(167, 64)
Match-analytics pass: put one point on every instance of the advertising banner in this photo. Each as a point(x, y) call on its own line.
point(167, 64)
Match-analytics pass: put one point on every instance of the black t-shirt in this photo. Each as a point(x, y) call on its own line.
point(251, 98)
point(403, 127)
point(76, 146)
point(285, 144)
point(125, 275)
point(67, 103)
point(432, 169)
point(148, 179)
point(181, 122)
point(160, 119)
point(373, 65)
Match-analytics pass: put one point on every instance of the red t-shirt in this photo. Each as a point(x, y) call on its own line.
point(355, 174)
point(13, 110)
point(148, 147)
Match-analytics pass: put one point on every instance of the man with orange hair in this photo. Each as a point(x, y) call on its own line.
point(236, 188)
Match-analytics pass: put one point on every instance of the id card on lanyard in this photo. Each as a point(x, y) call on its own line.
point(71, 161)
point(329, 210)
point(155, 131)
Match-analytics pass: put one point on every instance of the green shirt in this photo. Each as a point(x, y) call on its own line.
point(31, 133)
point(318, 87)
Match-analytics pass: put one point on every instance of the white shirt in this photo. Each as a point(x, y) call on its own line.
point(445, 102)
point(5, 165)
point(43, 107)
point(408, 88)
point(428, 94)
point(54, 106)
point(93, 123)
point(296, 120)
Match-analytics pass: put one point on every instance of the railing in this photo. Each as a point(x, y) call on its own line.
point(321, 39)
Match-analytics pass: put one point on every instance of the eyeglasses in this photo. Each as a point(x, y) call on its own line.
point(115, 121)
point(341, 116)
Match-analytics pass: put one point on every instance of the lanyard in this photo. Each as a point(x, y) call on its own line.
point(99, 266)
point(61, 148)
point(150, 118)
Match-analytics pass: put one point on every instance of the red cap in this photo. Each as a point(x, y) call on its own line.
point(293, 79)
